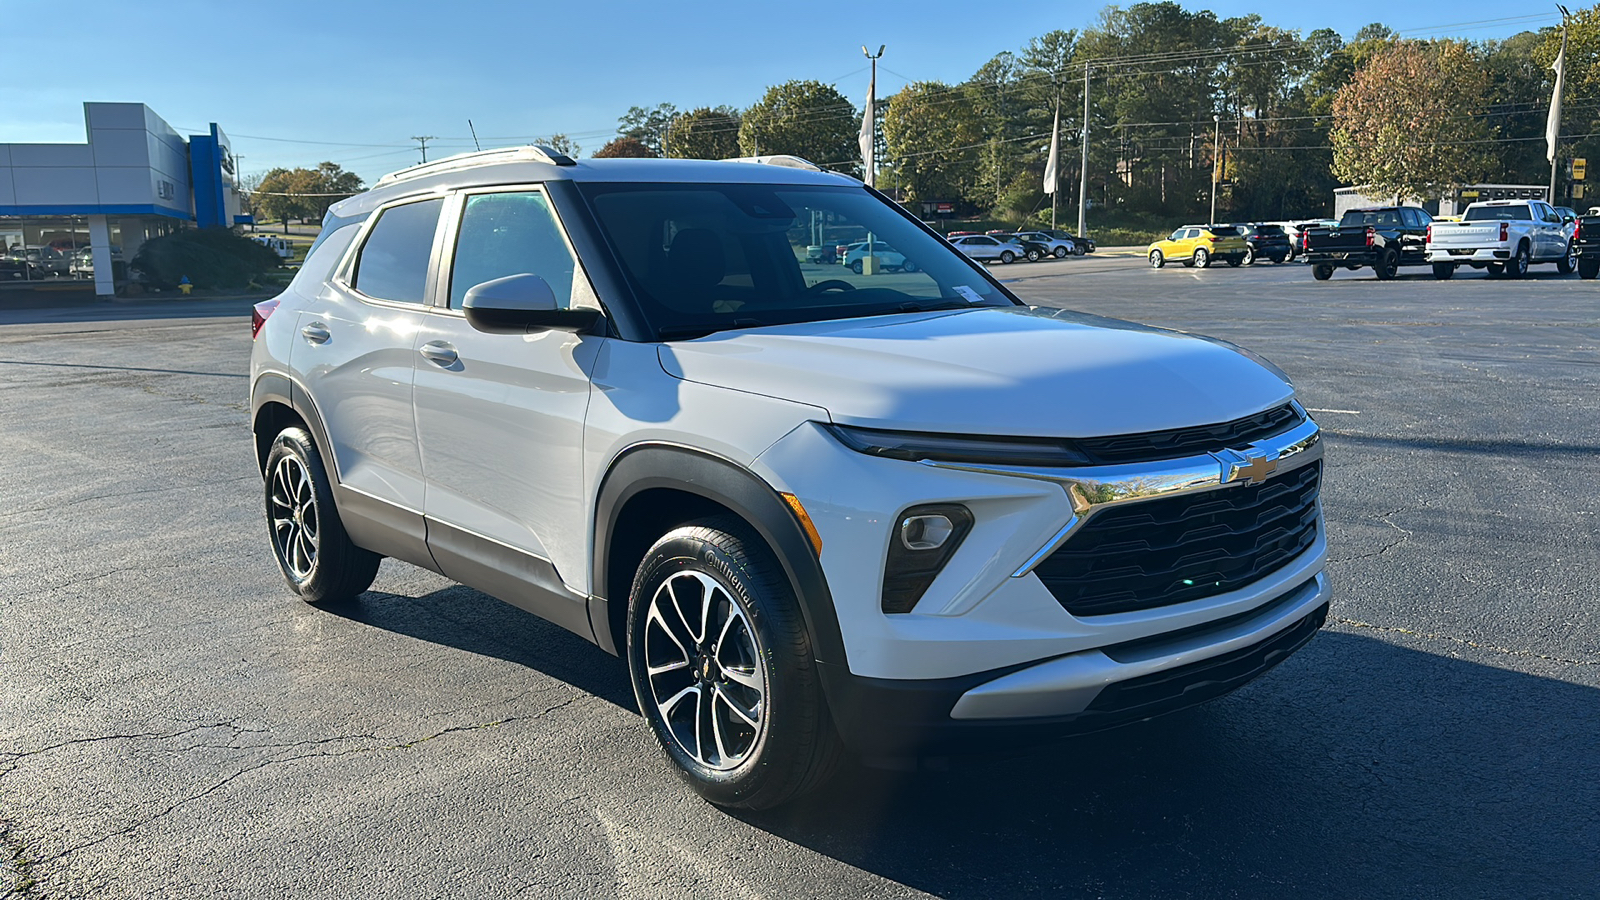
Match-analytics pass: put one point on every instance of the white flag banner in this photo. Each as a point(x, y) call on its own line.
point(1552, 127)
point(868, 143)
point(1050, 172)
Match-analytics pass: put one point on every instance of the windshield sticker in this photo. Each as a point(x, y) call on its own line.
point(968, 294)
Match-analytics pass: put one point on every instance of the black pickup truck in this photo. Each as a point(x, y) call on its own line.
point(1383, 237)
point(1586, 244)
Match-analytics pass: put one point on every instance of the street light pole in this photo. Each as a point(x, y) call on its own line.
point(869, 128)
point(1216, 147)
point(1083, 167)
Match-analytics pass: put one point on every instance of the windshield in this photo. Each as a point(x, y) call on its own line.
point(705, 257)
point(1515, 213)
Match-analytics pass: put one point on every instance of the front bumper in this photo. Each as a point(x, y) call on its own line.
point(988, 644)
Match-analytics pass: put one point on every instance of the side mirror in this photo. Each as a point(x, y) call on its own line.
point(521, 304)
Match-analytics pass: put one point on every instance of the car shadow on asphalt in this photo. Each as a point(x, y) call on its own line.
point(473, 621)
point(1356, 769)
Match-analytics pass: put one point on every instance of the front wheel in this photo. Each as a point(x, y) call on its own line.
point(723, 669)
point(1249, 257)
point(1157, 259)
point(315, 555)
point(1079, 249)
point(1202, 258)
point(1443, 270)
point(1035, 256)
point(857, 267)
point(1322, 271)
point(908, 266)
point(1059, 253)
point(1569, 262)
point(1007, 257)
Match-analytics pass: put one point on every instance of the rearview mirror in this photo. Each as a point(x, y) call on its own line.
point(521, 304)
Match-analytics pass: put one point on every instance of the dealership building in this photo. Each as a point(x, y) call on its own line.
point(82, 210)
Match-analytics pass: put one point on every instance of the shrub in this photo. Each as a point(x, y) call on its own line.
point(208, 257)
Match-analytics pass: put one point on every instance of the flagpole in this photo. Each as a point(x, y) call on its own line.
point(1553, 127)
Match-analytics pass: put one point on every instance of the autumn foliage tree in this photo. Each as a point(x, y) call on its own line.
point(1404, 125)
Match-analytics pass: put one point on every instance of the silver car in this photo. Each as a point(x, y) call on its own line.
point(988, 249)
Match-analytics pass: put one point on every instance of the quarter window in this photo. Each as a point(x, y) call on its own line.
point(393, 264)
point(512, 233)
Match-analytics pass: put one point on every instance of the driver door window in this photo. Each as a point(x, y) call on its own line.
point(510, 233)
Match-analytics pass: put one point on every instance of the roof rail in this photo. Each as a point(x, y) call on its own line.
point(528, 153)
point(788, 162)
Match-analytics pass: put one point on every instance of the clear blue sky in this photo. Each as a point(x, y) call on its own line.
point(363, 76)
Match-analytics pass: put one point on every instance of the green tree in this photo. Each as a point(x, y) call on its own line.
point(648, 125)
point(625, 148)
point(561, 144)
point(1400, 127)
point(926, 128)
point(807, 119)
point(705, 133)
point(301, 193)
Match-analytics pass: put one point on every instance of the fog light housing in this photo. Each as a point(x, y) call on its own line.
point(925, 537)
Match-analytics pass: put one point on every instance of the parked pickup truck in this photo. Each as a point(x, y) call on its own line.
point(1503, 236)
point(1586, 243)
point(1383, 237)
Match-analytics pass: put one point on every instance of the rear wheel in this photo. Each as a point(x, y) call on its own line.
point(1157, 259)
point(1588, 266)
point(723, 669)
point(1322, 271)
point(1495, 270)
point(1443, 271)
point(1567, 263)
point(1202, 258)
point(1388, 265)
point(1518, 266)
point(315, 555)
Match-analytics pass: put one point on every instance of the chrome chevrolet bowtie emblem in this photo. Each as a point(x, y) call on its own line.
point(1250, 468)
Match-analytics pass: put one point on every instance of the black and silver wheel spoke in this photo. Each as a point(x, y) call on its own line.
point(704, 670)
point(293, 508)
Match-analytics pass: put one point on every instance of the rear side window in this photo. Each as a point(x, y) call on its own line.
point(512, 233)
point(393, 264)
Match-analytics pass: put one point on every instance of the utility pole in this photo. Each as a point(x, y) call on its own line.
point(1216, 158)
point(1083, 168)
point(422, 141)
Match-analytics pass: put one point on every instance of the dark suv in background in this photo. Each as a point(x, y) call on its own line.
point(1268, 242)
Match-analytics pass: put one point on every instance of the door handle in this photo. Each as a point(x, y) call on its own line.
point(439, 352)
point(316, 333)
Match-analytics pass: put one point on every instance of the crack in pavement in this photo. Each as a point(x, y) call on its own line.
point(1465, 642)
point(279, 760)
point(1385, 519)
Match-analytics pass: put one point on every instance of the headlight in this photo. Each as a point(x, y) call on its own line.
point(916, 446)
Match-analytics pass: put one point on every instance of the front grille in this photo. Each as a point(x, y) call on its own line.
point(1195, 683)
point(1177, 442)
point(1186, 547)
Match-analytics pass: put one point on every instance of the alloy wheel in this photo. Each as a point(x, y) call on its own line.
point(704, 669)
point(295, 526)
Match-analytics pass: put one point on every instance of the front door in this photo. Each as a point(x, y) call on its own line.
point(500, 417)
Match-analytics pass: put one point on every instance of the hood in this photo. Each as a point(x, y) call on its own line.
point(1013, 371)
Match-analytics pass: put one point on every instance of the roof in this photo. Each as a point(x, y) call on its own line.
point(527, 165)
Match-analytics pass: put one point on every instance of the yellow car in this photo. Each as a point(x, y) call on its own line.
point(1198, 245)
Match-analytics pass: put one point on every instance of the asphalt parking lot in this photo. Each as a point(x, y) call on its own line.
point(175, 724)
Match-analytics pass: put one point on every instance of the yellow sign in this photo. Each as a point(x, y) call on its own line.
point(1577, 192)
point(1579, 164)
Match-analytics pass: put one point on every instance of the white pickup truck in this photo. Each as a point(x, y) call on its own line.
point(1504, 236)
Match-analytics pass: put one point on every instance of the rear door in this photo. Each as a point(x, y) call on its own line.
point(500, 416)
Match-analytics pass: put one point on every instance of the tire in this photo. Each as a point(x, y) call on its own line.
point(308, 539)
point(1236, 261)
point(908, 266)
point(1567, 264)
point(1035, 256)
point(751, 656)
point(1249, 258)
point(1006, 256)
point(1518, 266)
point(1202, 258)
point(1588, 267)
point(1157, 259)
point(1444, 271)
point(1078, 249)
point(857, 267)
point(1388, 265)
point(1322, 271)
point(1495, 270)
point(1059, 253)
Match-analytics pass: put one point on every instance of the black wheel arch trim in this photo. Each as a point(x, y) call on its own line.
point(650, 466)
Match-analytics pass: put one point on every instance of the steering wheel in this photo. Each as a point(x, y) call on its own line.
point(832, 284)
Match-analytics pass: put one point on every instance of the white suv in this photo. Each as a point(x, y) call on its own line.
point(901, 513)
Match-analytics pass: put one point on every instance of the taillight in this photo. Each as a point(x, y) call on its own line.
point(1429, 238)
point(1577, 229)
point(1505, 231)
point(259, 314)
point(1370, 235)
point(1305, 239)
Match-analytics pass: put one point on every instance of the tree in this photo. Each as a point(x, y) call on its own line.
point(561, 144)
point(1401, 126)
point(807, 119)
point(926, 127)
point(625, 148)
point(648, 125)
point(705, 133)
point(301, 193)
